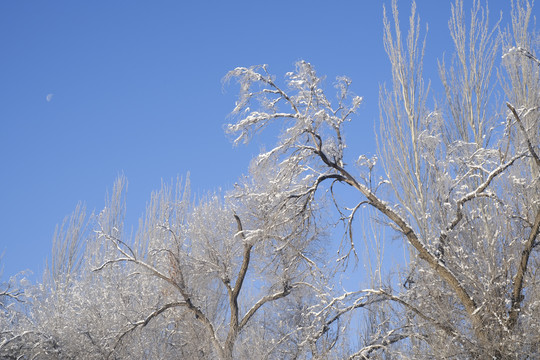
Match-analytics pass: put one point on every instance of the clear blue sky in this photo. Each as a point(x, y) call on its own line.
point(92, 89)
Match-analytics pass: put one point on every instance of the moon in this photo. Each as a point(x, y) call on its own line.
point(49, 97)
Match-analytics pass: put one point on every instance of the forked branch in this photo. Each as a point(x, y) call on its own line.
point(235, 327)
point(143, 323)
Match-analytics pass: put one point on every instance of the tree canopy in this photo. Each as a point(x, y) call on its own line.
point(252, 272)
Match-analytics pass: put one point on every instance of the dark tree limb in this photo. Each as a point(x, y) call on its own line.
point(517, 297)
point(529, 144)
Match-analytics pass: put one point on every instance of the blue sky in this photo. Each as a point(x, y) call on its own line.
point(93, 89)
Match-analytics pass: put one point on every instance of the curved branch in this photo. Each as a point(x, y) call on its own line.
point(187, 299)
point(445, 327)
point(356, 305)
point(389, 339)
point(524, 52)
point(351, 218)
point(143, 323)
point(286, 291)
point(435, 263)
point(479, 191)
point(12, 294)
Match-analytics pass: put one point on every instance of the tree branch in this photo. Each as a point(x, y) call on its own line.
point(446, 328)
point(436, 264)
point(529, 145)
point(517, 297)
point(388, 339)
point(524, 52)
point(356, 305)
point(143, 323)
point(187, 299)
point(12, 294)
point(286, 291)
point(235, 328)
point(474, 194)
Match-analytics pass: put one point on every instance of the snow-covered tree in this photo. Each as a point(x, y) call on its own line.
point(12, 319)
point(248, 273)
point(199, 279)
point(459, 181)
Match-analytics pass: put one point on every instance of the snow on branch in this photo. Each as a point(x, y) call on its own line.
point(14, 294)
point(522, 51)
point(307, 106)
point(383, 342)
point(143, 323)
point(478, 192)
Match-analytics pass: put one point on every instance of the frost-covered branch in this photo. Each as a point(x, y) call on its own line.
point(388, 339)
point(311, 123)
point(268, 298)
point(14, 338)
point(187, 301)
point(445, 327)
point(333, 304)
point(478, 192)
point(14, 294)
point(523, 51)
point(143, 323)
